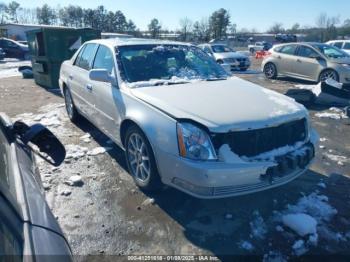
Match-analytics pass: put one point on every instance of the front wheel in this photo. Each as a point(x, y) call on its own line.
point(270, 71)
point(328, 74)
point(140, 160)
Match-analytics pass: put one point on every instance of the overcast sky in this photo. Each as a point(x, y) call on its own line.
point(258, 14)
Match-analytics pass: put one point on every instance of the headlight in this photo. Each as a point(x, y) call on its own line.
point(194, 143)
point(346, 65)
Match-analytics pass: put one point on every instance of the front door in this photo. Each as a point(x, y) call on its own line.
point(307, 65)
point(106, 96)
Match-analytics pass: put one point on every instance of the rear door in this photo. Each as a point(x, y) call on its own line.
point(307, 66)
point(105, 94)
point(285, 59)
point(79, 82)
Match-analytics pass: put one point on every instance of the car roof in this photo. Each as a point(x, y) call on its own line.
point(115, 42)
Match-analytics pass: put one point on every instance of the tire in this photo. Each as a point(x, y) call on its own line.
point(270, 71)
point(140, 160)
point(328, 74)
point(72, 111)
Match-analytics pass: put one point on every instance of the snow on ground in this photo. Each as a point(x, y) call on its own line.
point(258, 226)
point(9, 67)
point(333, 113)
point(246, 245)
point(302, 224)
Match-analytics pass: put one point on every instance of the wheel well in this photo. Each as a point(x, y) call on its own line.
point(124, 127)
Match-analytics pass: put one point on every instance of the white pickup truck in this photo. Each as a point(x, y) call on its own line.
point(259, 46)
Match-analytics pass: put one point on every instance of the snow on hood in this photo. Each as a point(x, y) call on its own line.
point(229, 55)
point(225, 105)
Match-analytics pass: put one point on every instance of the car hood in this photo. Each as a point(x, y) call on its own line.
point(345, 60)
point(229, 55)
point(223, 106)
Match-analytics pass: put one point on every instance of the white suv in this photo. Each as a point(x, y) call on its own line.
point(341, 44)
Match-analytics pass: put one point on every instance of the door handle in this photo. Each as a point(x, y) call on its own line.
point(298, 60)
point(70, 77)
point(89, 87)
point(279, 57)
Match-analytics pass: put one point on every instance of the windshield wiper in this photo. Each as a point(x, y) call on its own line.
point(171, 83)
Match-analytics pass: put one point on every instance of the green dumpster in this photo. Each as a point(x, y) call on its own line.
point(49, 47)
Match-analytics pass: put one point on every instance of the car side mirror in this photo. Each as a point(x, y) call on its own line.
point(101, 75)
point(317, 57)
point(42, 141)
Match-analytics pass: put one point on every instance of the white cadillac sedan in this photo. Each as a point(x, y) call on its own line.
point(183, 121)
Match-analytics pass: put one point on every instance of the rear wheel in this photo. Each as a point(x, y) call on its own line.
point(70, 107)
point(270, 71)
point(140, 160)
point(328, 74)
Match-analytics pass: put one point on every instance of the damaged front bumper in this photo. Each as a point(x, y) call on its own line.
point(210, 180)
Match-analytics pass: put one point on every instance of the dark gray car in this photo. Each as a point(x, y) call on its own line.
point(28, 229)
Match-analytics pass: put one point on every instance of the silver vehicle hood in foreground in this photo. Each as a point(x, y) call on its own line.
point(225, 105)
point(234, 55)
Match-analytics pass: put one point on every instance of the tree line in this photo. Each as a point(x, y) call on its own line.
point(218, 25)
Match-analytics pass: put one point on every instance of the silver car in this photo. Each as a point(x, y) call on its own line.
point(183, 121)
point(227, 57)
point(308, 61)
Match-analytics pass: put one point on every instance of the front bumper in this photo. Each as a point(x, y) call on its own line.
point(210, 180)
point(229, 67)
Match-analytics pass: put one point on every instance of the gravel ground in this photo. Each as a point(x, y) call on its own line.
point(107, 214)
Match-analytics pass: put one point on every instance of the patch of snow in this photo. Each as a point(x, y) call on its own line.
point(65, 192)
point(246, 245)
point(313, 240)
point(314, 205)
point(336, 158)
point(274, 256)
point(333, 113)
point(226, 155)
point(297, 149)
point(279, 229)
point(323, 139)
point(228, 216)
point(321, 184)
point(74, 180)
point(299, 247)
point(148, 201)
point(258, 226)
point(302, 224)
point(98, 150)
point(75, 151)
point(86, 138)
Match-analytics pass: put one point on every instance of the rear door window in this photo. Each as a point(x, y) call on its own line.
point(305, 51)
point(288, 49)
point(104, 59)
point(338, 44)
point(86, 59)
point(347, 46)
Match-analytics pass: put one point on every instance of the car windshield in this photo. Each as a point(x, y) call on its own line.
point(166, 64)
point(221, 49)
point(330, 51)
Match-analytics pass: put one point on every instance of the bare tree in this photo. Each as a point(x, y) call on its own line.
point(186, 27)
point(276, 28)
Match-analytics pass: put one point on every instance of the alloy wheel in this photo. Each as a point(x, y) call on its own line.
point(138, 157)
point(69, 104)
point(269, 70)
point(328, 74)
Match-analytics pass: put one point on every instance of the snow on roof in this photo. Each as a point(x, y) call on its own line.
point(135, 41)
